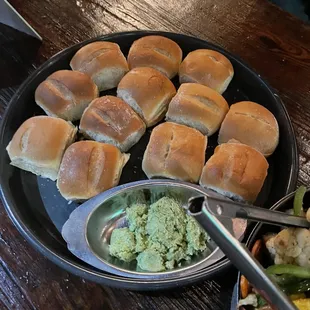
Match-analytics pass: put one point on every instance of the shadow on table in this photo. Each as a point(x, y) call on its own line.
point(18, 52)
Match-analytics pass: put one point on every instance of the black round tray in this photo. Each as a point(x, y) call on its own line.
point(38, 210)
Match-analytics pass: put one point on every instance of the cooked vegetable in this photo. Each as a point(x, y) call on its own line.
point(302, 304)
point(260, 301)
point(250, 300)
point(284, 279)
point(244, 287)
point(298, 200)
point(290, 250)
point(297, 296)
point(291, 246)
point(297, 271)
point(257, 248)
point(297, 287)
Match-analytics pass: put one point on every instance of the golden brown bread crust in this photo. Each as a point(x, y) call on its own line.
point(206, 67)
point(176, 152)
point(148, 92)
point(39, 143)
point(235, 170)
point(89, 168)
point(87, 53)
point(198, 106)
point(65, 91)
point(157, 52)
point(103, 61)
point(109, 119)
point(251, 124)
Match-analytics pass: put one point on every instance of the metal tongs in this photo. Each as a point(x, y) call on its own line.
point(230, 209)
point(206, 210)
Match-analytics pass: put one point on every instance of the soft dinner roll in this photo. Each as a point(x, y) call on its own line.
point(103, 61)
point(89, 168)
point(235, 170)
point(148, 92)
point(39, 143)
point(198, 106)
point(66, 94)
point(176, 152)
point(251, 124)
point(157, 52)
point(109, 119)
point(207, 67)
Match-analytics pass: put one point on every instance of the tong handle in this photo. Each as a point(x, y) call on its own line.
point(240, 257)
point(225, 208)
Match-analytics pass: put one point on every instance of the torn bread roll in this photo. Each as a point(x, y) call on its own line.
point(207, 67)
point(39, 144)
point(103, 61)
point(89, 168)
point(66, 94)
point(175, 152)
point(198, 106)
point(251, 124)
point(148, 92)
point(110, 120)
point(235, 170)
point(157, 52)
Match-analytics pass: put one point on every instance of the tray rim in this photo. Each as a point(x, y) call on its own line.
point(109, 279)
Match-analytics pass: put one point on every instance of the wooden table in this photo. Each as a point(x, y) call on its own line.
point(271, 41)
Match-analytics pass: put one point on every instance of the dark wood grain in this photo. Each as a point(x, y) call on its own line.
point(271, 41)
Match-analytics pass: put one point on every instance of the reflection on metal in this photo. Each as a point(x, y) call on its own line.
point(10, 17)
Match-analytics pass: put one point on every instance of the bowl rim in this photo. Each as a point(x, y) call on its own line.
point(84, 271)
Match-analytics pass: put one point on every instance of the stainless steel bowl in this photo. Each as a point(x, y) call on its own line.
point(88, 230)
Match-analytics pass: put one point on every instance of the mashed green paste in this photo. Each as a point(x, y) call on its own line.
point(158, 237)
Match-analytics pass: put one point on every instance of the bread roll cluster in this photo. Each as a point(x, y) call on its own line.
point(145, 95)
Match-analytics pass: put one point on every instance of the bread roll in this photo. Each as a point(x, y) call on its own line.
point(198, 106)
point(66, 94)
point(89, 168)
point(251, 124)
point(156, 52)
point(109, 119)
point(148, 92)
point(176, 152)
point(39, 143)
point(207, 67)
point(103, 61)
point(235, 170)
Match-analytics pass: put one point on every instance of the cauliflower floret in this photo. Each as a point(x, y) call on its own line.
point(250, 300)
point(291, 246)
point(270, 247)
point(303, 240)
point(278, 257)
point(286, 260)
point(286, 243)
